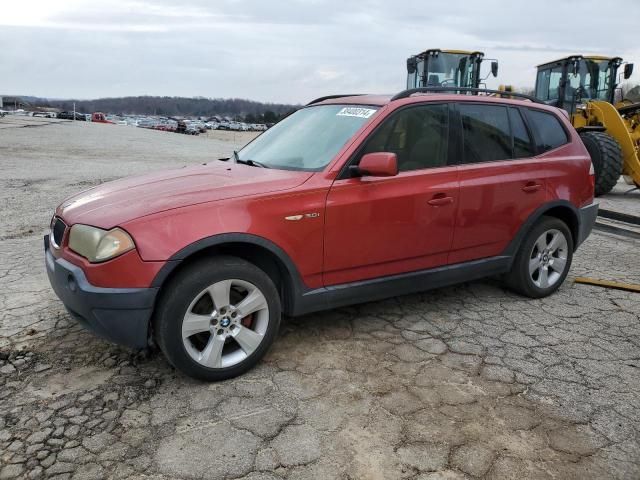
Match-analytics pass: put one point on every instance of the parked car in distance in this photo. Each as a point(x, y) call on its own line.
point(347, 200)
point(147, 123)
point(99, 117)
point(200, 126)
point(69, 116)
point(192, 129)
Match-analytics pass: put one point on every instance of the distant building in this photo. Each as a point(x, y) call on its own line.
point(14, 103)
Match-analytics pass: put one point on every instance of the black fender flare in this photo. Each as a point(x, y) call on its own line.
point(512, 248)
point(232, 238)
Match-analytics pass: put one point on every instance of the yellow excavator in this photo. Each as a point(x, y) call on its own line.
point(446, 68)
point(586, 87)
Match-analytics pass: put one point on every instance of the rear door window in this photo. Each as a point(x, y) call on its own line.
point(486, 133)
point(548, 130)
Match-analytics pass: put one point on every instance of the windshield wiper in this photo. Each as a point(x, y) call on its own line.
point(234, 157)
point(253, 163)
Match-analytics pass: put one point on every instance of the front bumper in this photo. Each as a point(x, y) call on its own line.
point(120, 315)
point(586, 221)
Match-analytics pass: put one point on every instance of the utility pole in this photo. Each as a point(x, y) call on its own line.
point(74, 111)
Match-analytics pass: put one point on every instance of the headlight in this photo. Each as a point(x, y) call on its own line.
point(98, 245)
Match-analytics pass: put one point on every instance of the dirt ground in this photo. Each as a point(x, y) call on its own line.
point(463, 382)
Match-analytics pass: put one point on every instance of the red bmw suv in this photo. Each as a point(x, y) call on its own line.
point(347, 200)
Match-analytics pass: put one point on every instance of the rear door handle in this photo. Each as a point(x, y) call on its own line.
point(440, 199)
point(531, 187)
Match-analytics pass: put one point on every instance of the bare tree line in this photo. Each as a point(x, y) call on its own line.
point(174, 106)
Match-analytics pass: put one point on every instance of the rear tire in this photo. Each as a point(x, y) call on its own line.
point(606, 156)
point(543, 259)
point(217, 318)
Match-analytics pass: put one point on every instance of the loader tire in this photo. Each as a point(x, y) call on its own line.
point(606, 156)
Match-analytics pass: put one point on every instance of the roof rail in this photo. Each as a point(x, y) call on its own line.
point(330, 97)
point(411, 91)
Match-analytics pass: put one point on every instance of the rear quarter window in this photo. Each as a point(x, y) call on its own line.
point(548, 131)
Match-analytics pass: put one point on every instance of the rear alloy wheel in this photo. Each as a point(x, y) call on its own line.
point(548, 258)
point(217, 318)
point(543, 260)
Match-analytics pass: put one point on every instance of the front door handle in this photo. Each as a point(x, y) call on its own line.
point(531, 187)
point(440, 199)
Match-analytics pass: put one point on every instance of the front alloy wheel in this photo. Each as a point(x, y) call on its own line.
point(225, 323)
point(217, 317)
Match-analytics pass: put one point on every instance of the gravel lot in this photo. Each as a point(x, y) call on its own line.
point(463, 382)
point(623, 198)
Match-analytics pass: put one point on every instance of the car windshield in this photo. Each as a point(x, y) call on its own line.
point(307, 139)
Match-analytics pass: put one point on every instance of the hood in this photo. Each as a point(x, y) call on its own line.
point(114, 203)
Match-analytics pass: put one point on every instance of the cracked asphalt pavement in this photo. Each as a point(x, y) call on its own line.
point(465, 382)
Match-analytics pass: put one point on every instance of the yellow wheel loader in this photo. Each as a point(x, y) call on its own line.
point(446, 68)
point(586, 86)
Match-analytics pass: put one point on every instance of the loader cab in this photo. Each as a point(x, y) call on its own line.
point(570, 81)
point(446, 68)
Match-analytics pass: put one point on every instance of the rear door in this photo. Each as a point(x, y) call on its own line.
point(383, 226)
point(501, 181)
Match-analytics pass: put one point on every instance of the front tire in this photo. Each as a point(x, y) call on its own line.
point(606, 156)
point(543, 259)
point(217, 318)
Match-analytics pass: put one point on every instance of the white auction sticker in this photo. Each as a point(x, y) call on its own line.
point(356, 112)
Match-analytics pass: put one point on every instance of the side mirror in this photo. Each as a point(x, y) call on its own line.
point(628, 70)
point(494, 68)
point(379, 164)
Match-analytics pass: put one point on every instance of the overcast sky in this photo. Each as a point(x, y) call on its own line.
point(286, 51)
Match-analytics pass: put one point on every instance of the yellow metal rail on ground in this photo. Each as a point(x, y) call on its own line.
point(629, 287)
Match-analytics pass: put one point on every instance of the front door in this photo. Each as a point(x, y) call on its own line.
point(377, 227)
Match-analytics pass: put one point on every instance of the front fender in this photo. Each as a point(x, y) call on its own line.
point(173, 235)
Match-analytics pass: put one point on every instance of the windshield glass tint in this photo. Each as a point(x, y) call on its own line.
point(309, 138)
point(449, 69)
point(594, 77)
